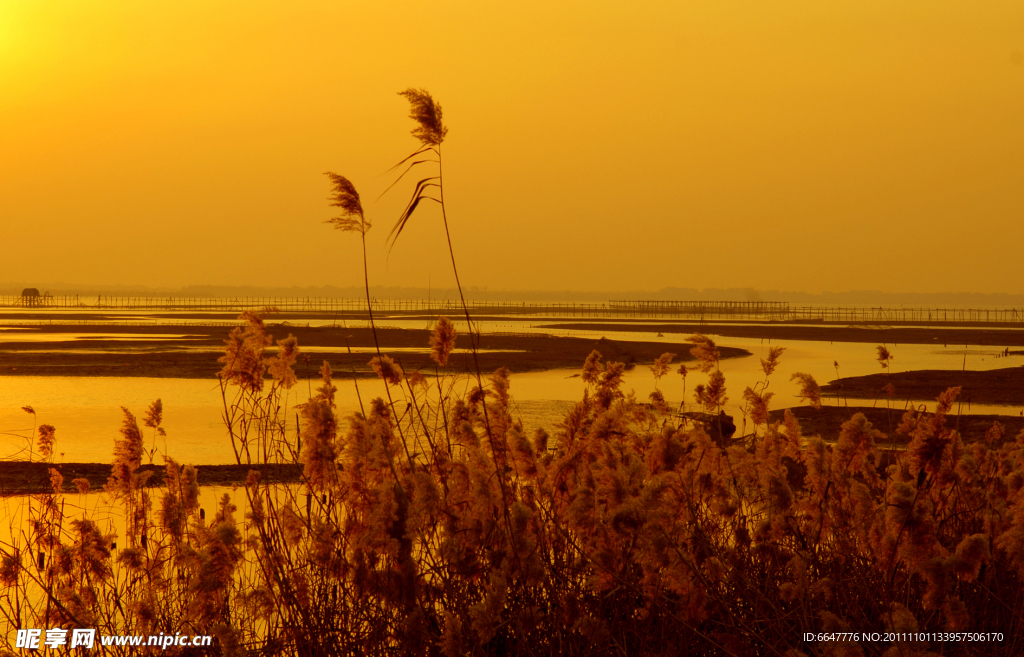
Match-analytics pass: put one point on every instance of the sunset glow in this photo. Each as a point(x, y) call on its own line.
point(743, 145)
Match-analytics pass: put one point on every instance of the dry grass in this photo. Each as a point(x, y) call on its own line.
point(626, 533)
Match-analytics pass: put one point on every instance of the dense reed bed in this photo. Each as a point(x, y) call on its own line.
point(431, 523)
point(421, 527)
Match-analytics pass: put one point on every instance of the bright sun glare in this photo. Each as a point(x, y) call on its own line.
point(7, 31)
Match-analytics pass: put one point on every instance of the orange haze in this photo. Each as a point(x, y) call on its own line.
point(799, 145)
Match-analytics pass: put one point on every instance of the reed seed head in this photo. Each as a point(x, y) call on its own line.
point(281, 365)
point(46, 440)
point(344, 196)
point(427, 114)
point(328, 389)
point(442, 340)
point(154, 415)
point(661, 365)
point(809, 388)
point(387, 369)
point(127, 457)
point(705, 351)
point(884, 356)
point(592, 367)
point(769, 364)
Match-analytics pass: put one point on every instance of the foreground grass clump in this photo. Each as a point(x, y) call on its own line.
point(433, 524)
point(421, 527)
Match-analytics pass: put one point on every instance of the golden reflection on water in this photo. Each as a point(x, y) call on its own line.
point(86, 411)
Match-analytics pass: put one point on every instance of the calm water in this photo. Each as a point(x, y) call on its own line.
point(87, 415)
point(107, 514)
point(8, 334)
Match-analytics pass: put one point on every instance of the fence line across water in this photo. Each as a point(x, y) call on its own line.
point(643, 309)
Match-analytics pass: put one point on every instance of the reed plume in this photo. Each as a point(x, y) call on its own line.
point(46, 440)
point(281, 366)
point(769, 364)
point(592, 368)
point(127, 457)
point(712, 396)
point(320, 451)
point(809, 389)
point(661, 366)
point(154, 414)
point(426, 112)
point(387, 369)
point(244, 364)
point(758, 403)
point(442, 340)
point(344, 196)
point(705, 351)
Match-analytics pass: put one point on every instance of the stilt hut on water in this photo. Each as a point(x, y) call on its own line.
point(31, 298)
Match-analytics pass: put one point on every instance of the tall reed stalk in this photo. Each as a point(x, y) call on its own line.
point(431, 132)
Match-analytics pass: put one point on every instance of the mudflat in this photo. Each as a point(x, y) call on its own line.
point(1000, 386)
point(827, 421)
point(192, 351)
point(25, 478)
point(1000, 335)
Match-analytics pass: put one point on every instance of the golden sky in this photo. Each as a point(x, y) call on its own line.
point(850, 144)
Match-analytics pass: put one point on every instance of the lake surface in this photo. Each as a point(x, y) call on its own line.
point(87, 415)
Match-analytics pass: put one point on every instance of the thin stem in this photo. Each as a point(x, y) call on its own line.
point(380, 359)
point(476, 362)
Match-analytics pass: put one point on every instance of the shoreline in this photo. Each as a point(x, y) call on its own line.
point(25, 478)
